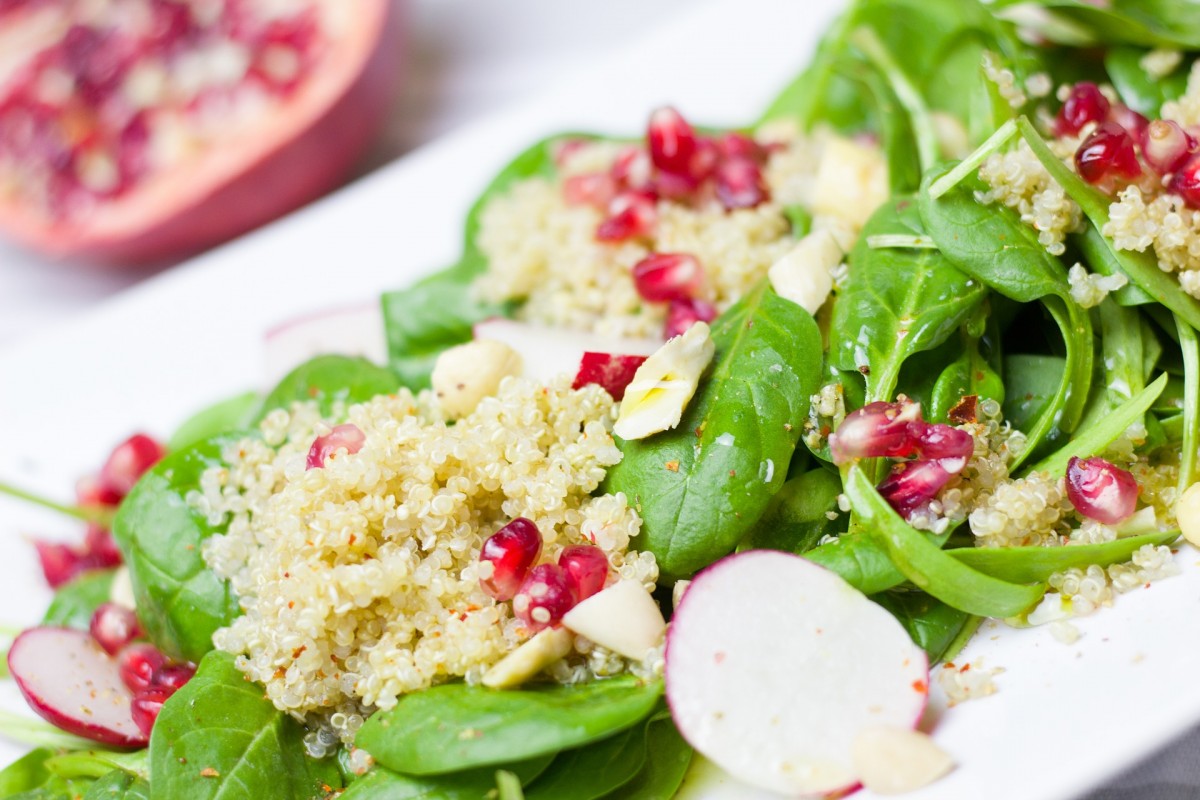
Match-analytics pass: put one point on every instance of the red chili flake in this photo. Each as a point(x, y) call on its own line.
point(920, 686)
point(299, 651)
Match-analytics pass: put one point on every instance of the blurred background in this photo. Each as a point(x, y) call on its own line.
point(456, 60)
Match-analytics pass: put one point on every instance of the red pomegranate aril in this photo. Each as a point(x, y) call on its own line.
point(675, 185)
point(60, 563)
point(739, 145)
point(348, 437)
point(663, 277)
point(877, 430)
point(590, 189)
point(146, 706)
point(90, 492)
point(1130, 120)
point(511, 551)
point(139, 662)
point(1101, 490)
point(672, 141)
point(1107, 153)
point(1086, 103)
point(1165, 146)
point(630, 215)
point(633, 169)
point(950, 447)
point(113, 627)
point(740, 184)
point(100, 548)
point(128, 462)
point(912, 484)
point(586, 567)
point(683, 314)
point(97, 59)
point(172, 677)
point(544, 597)
point(1186, 181)
point(566, 149)
point(609, 371)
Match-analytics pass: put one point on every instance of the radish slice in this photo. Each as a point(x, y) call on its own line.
point(549, 352)
point(774, 666)
point(68, 680)
point(352, 331)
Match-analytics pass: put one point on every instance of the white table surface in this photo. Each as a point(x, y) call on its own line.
point(467, 58)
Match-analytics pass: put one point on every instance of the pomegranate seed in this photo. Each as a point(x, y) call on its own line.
point(113, 627)
point(512, 550)
point(675, 186)
point(544, 597)
point(60, 562)
point(950, 447)
point(740, 184)
point(346, 437)
point(138, 664)
point(1130, 120)
point(89, 492)
point(663, 277)
point(672, 141)
point(171, 677)
point(739, 145)
point(98, 60)
point(128, 462)
point(683, 314)
point(586, 567)
point(633, 169)
point(100, 548)
point(912, 484)
point(1101, 490)
point(590, 189)
point(1166, 146)
point(565, 149)
point(1085, 104)
point(631, 214)
point(1107, 152)
point(171, 23)
point(877, 430)
point(609, 371)
point(1186, 181)
point(145, 706)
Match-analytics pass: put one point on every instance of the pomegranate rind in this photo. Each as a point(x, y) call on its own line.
point(70, 682)
point(774, 665)
point(305, 149)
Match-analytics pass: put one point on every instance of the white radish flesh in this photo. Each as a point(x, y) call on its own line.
point(68, 680)
point(352, 331)
point(550, 352)
point(774, 666)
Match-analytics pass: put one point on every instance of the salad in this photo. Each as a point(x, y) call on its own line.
point(712, 444)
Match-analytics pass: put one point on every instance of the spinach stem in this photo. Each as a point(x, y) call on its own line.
point(93, 514)
point(1190, 346)
point(913, 102)
point(885, 241)
point(972, 162)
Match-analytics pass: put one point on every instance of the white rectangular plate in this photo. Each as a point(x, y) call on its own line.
point(1065, 717)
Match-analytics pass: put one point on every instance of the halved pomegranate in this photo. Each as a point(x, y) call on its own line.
point(136, 131)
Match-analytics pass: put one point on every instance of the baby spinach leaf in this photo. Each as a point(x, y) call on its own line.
point(896, 302)
point(667, 761)
point(1121, 347)
point(1146, 23)
point(470, 784)
point(27, 772)
point(219, 737)
point(1138, 89)
point(1141, 268)
point(454, 726)
point(75, 602)
point(180, 602)
point(1030, 384)
point(738, 432)
point(1037, 564)
point(796, 518)
point(594, 770)
point(232, 414)
point(929, 567)
point(860, 560)
point(119, 785)
point(969, 374)
point(1099, 256)
point(932, 625)
point(330, 380)
point(99, 763)
point(1189, 453)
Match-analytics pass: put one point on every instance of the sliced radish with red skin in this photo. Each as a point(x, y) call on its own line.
point(549, 352)
point(774, 665)
point(349, 331)
point(611, 372)
point(68, 680)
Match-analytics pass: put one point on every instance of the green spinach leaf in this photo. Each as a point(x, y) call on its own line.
point(219, 737)
point(330, 380)
point(180, 602)
point(1137, 88)
point(860, 560)
point(119, 785)
point(75, 602)
point(1037, 564)
point(738, 432)
point(797, 516)
point(455, 727)
point(1146, 23)
point(667, 760)
point(471, 784)
point(594, 770)
point(233, 414)
point(933, 626)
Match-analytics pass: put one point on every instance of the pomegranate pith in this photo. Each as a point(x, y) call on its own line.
point(511, 551)
point(545, 597)
point(1101, 490)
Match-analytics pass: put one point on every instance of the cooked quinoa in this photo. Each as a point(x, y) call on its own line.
point(543, 251)
point(359, 581)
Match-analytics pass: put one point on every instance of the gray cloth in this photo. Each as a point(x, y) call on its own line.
point(1171, 774)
